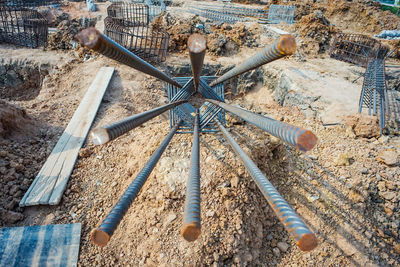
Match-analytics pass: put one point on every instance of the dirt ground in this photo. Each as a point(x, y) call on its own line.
point(346, 189)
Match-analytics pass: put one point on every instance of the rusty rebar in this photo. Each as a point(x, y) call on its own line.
point(197, 45)
point(302, 139)
point(283, 46)
point(101, 235)
point(104, 134)
point(295, 226)
point(93, 39)
point(191, 228)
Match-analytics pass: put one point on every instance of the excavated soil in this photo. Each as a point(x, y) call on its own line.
point(316, 33)
point(349, 16)
point(222, 38)
point(318, 22)
point(13, 121)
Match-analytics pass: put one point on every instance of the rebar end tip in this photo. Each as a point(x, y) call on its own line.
point(99, 237)
point(88, 37)
point(197, 43)
point(306, 141)
point(307, 242)
point(190, 232)
point(287, 44)
point(99, 136)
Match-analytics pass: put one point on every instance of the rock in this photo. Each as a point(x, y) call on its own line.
point(364, 171)
point(10, 216)
point(210, 213)
point(170, 217)
point(343, 160)
point(397, 248)
point(85, 152)
point(363, 125)
point(355, 197)
point(354, 182)
point(312, 198)
point(388, 210)
point(388, 157)
point(350, 133)
point(389, 195)
point(383, 139)
point(235, 181)
point(382, 186)
point(282, 246)
point(12, 204)
point(14, 189)
point(390, 185)
point(276, 252)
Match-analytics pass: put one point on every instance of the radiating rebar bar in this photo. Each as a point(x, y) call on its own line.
point(283, 46)
point(93, 39)
point(109, 132)
point(302, 139)
point(191, 228)
point(101, 235)
point(197, 45)
point(295, 226)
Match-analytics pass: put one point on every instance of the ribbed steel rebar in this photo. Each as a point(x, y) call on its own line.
point(295, 226)
point(101, 235)
point(93, 39)
point(283, 46)
point(373, 93)
point(303, 139)
point(197, 45)
point(107, 133)
point(216, 16)
point(191, 228)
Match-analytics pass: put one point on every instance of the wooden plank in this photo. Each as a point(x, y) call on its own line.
point(50, 183)
point(43, 245)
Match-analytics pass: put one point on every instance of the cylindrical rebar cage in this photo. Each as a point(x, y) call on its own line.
point(29, 3)
point(22, 26)
point(142, 40)
point(138, 13)
point(356, 48)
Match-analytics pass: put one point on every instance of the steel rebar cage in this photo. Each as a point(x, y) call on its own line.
point(30, 3)
point(356, 48)
point(142, 40)
point(138, 13)
point(22, 26)
point(281, 13)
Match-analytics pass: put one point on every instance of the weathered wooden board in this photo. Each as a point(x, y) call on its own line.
point(50, 183)
point(45, 245)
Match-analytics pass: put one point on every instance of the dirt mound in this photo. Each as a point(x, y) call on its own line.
point(316, 32)
point(360, 18)
point(63, 37)
point(394, 45)
point(226, 39)
point(363, 125)
point(21, 80)
point(179, 30)
point(13, 121)
point(222, 39)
